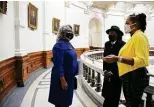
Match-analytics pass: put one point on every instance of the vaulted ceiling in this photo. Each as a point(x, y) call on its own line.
point(126, 7)
point(116, 7)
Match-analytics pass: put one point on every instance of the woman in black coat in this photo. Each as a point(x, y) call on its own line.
point(112, 84)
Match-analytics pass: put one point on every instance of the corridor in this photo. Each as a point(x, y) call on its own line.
point(30, 29)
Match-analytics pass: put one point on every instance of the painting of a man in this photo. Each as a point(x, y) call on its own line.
point(32, 16)
point(76, 29)
point(3, 7)
point(55, 25)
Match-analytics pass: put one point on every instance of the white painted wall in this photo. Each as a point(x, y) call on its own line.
point(75, 15)
point(42, 38)
point(7, 33)
point(111, 20)
point(53, 9)
point(31, 40)
point(150, 32)
point(72, 15)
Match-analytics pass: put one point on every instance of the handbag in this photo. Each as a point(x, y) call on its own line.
point(75, 83)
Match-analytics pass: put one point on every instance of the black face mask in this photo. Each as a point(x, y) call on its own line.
point(112, 38)
point(69, 36)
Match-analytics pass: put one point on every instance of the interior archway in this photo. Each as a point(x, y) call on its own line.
point(95, 33)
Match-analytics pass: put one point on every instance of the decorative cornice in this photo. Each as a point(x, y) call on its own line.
point(86, 9)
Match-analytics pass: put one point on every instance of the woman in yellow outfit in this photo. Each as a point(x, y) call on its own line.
point(133, 59)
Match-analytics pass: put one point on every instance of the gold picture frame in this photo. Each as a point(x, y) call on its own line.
point(76, 29)
point(55, 25)
point(32, 16)
point(3, 7)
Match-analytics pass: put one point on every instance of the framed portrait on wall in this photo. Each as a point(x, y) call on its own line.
point(76, 29)
point(55, 25)
point(3, 7)
point(32, 16)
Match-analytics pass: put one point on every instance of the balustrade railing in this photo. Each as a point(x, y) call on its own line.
point(93, 70)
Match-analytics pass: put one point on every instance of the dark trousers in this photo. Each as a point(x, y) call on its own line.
point(134, 84)
point(111, 92)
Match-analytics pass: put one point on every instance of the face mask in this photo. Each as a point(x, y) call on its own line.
point(128, 28)
point(112, 38)
point(69, 36)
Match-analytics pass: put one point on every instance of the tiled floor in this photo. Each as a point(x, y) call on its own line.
point(16, 95)
point(37, 95)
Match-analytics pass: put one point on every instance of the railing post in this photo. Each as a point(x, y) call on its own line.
point(149, 90)
point(98, 84)
point(86, 73)
point(92, 56)
point(84, 70)
point(93, 79)
point(89, 75)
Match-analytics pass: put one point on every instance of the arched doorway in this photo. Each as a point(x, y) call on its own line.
point(95, 33)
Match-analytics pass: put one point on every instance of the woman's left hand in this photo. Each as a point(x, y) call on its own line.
point(111, 58)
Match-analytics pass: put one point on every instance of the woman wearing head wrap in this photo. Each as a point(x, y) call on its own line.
point(64, 69)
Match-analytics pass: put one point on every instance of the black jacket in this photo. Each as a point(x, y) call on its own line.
point(112, 49)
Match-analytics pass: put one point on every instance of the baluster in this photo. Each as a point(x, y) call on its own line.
point(98, 56)
point(84, 70)
point(86, 73)
point(92, 56)
point(93, 79)
point(89, 75)
point(98, 84)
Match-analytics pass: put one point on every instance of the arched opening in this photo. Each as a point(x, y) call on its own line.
point(95, 33)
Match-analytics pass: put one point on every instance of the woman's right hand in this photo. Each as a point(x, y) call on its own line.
point(64, 84)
